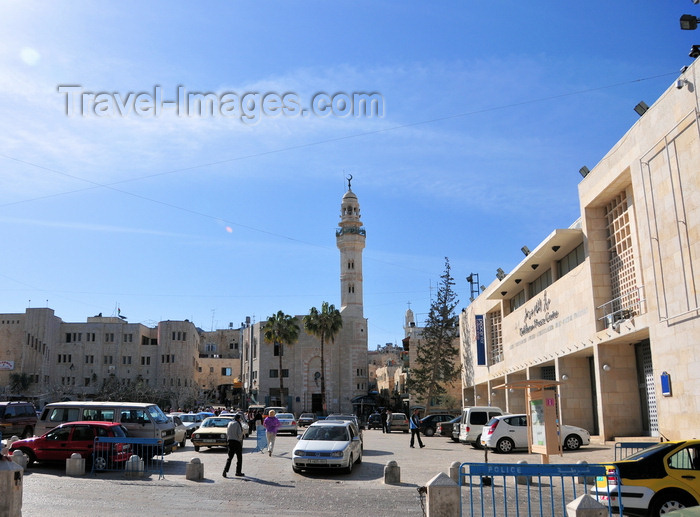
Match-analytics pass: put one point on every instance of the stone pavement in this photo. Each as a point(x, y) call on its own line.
point(270, 487)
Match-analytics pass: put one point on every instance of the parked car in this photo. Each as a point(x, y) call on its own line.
point(17, 419)
point(349, 418)
point(399, 422)
point(473, 420)
point(374, 421)
point(447, 428)
point(656, 480)
point(306, 419)
point(212, 432)
point(77, 437)
point(180, 429)
point(508, 432)
point(429, 423)
point(328, 444)
point(192, 421)
point(288, 424)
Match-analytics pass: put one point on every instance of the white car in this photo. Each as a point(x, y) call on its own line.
point(324, 445)
point(180, 429)
point(508, 432)
point(288, 424)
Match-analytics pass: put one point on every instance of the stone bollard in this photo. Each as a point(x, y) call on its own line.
point(454, 471)
point(75, 465)
point(392, 473)
point(20, 459)
point(11, 476)
point(443, 497)
point(523, 480)
point(583, 480)
point(586, 506)
point(134, 467)
point(194, 471)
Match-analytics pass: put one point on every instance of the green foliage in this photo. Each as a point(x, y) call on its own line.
point(281, 329)
point(324, 325)
point(437, 354)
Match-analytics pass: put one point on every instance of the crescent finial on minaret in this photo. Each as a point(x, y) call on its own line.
point(349, 178)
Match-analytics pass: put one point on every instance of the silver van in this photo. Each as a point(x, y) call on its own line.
point(141, 420)
point(473, 420)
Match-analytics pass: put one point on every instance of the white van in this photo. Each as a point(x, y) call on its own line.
point(473, 420)
point(141, 420)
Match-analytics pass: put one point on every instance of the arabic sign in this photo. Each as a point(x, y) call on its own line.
point(7, 365)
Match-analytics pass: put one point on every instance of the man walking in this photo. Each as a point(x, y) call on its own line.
point(271, 424)
point(388, 420)
point(414, 424)
point(234, 435)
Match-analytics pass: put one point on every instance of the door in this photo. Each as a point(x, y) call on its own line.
point(316, 406)
point(647, 392)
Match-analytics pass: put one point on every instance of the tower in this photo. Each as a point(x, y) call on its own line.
point(350, 238)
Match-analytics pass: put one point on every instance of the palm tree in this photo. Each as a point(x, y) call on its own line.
point(324, 325)
point(281, 328)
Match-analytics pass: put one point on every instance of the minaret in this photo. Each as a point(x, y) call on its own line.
point(350, 238)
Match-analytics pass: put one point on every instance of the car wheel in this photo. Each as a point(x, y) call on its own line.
point(99, 462)
point(348, 469)
point(31, 457)
point(359, 458)
point(406, 431)
point(182, 444)
point(455, 439)
point(28, 432)
point(477, 443)
point(294, 433)
point(666, 502)
point(196, 448)
point(505, 445)
point(572, 442)
point(429, 431)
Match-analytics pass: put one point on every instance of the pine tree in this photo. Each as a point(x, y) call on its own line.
point(437, 356)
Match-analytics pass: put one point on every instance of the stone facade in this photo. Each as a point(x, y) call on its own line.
point(609, 306)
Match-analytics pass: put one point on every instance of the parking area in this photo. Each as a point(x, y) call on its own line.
point(269, 484)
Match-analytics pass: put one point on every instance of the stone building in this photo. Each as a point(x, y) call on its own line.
point(346, 375)
point(608, 306)
point(65, 360)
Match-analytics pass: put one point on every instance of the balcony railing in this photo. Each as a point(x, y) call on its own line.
point(624, 307)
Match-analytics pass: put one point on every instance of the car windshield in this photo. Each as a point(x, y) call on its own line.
point(216, 422)
point(306, 415)
point(285, 416)
point(188, 418)
point(157, 414)
point(326, 433)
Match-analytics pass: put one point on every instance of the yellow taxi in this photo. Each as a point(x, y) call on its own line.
point(655, 481)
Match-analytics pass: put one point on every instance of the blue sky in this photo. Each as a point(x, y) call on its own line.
point(490, 109)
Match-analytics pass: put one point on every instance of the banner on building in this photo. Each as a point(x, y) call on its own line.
point(7, 365)
point(480, 341)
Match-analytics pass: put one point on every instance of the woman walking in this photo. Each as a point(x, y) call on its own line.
point(271, 424)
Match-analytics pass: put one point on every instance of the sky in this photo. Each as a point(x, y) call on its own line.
point(117, 195)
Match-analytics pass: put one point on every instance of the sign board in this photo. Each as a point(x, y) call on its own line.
point(544, 436)
point(7, 365)
point(480, 341)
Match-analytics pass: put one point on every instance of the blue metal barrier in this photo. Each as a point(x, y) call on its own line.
point(625, 449)
point(507, 489)
point(114, 453)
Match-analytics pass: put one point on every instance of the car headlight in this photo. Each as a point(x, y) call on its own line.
point(163, 434)
point(222, 436)
point(337, 454)
point(195, 436)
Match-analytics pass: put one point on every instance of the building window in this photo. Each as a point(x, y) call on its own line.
point(126, 359)
point(517, 300)
point(273, 374)
point(541, 283)
point(278, 350)
point(226, 372)
point(623, 281)
point(109, 337)
point(285, 373)
point(128, 338)
point(145, 361)
point(495, 338)
point(573, 259)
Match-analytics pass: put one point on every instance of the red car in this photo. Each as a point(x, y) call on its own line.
point(61, 442)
